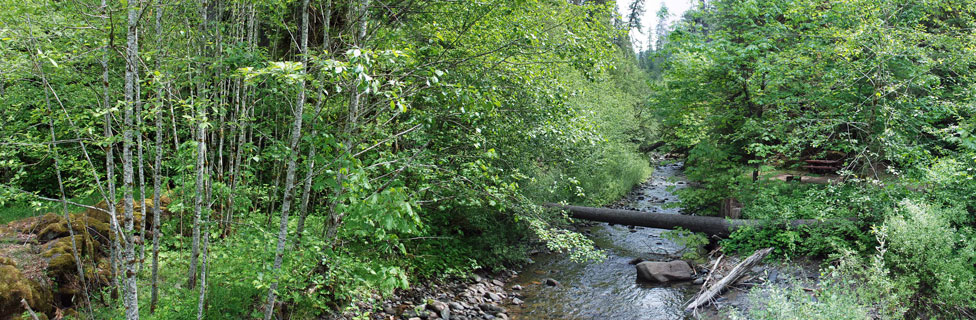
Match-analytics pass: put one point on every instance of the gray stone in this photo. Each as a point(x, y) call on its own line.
point(490, 308)
point(664, 271)
point(441, 309)
point(516, 287)
point(456, 306)
point(497, 282)
point(493, 296)
point(517, 301)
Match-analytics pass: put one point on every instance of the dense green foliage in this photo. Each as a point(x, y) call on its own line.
point(470, 114)
point(886, 87)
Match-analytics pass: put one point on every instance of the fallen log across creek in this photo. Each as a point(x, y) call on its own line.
point(716, 226)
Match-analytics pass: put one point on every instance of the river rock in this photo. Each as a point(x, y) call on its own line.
point(493, 296)
point(490, 308)
point(552, 282)
point(456, 306)
point(440, 308)
point(664, 271)
point(516, 287)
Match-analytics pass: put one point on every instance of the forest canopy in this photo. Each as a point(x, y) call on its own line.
point(296, 159)
point(309, 154)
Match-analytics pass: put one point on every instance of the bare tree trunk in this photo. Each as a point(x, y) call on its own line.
point(203, 262)
point(157, 177)
point(110, 165)
point(296, 132)
point(142, 169)
point(310, 167)
point(130, 293)
point(362, 14)
point(200, 169)
point(64, 206)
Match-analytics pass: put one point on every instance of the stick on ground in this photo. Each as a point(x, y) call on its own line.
point(738, 271)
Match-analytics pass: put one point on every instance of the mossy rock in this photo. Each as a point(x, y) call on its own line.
point(60, 257)
point(103, 216)
point(14, 286)
point(59, 228)
point(40, 223)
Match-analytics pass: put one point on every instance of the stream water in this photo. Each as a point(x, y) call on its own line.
point(609, 289)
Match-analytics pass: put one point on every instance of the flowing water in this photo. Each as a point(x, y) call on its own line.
point(609, 289)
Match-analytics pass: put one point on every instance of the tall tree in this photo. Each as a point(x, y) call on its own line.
point(130, 291)
point(201, 150)
point(157, 167)
point(310, 160)
point(634, 15)
point(663, 27)
point(115, 248)
point(296, 132)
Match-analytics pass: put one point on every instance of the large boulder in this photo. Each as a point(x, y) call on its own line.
point(16, 286)
point(654, 271)
point(37, 262)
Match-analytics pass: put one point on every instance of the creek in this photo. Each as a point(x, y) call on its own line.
point(609, 289)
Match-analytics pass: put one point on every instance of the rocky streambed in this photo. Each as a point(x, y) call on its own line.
point(554, 287)
point(610, 289)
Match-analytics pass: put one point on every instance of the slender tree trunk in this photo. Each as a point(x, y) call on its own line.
point(296, 132)
point(200, 167)
point(354, 95)
point(157, 167)
point(110, 166)
point(130, 293)
point(203, 262)
point(142, 169)
point(64, 206)
point(310, 166)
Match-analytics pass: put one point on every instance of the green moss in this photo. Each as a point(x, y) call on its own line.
point(14, 287)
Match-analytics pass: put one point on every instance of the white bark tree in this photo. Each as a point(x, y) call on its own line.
point(201, 163)
point(130, 292)
point(157, 167)
point(296, 132)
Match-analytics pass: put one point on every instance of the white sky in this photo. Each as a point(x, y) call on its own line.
point(649, 19)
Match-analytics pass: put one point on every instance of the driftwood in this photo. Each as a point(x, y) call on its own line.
point(735, 274)
point(716, 226)
point(29, 310)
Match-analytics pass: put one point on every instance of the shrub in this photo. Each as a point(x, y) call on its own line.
point(932, 255)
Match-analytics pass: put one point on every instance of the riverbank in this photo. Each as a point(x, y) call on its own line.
point(477, 297)
point(554, 287)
